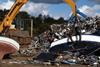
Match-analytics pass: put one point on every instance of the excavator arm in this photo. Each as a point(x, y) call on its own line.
point(6, 23)
point(73, 6)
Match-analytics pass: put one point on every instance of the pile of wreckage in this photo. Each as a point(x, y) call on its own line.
point(79, 52)
point(46, 48)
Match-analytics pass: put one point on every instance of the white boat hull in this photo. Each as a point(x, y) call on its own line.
point(8, 46)
point(91, 38)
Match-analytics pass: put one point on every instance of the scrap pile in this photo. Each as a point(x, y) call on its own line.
point(39, 48)
point(84, 53)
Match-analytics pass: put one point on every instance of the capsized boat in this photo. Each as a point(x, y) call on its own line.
point(90, 38)
point(89, 44)
point(8, 46)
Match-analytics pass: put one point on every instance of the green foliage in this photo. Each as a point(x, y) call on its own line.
point(40, 23)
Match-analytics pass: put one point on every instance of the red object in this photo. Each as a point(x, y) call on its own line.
point(7, 46)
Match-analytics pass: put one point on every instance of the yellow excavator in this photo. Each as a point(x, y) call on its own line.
point(7, 22)
point(73, 6)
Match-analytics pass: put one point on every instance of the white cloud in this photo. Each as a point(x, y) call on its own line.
point(6, 5)
point(58, 16)
point(45, 12)
point(35, 9)
point(90, 11)
point(54, 16)
point(30, 7)
point(1, 7)
point(96, 7)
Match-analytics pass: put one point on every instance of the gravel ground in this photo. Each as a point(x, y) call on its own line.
point(32, 65)
point(24, 62)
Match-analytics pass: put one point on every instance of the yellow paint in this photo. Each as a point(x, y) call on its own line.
point(7, 22)
point(72, 4)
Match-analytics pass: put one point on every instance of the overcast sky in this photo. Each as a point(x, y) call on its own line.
point(56, 8)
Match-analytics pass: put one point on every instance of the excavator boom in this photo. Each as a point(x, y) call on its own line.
point(73, 6)
point(11, 14)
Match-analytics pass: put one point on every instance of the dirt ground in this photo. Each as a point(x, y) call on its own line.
point(12, 63)
point(32, 65)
